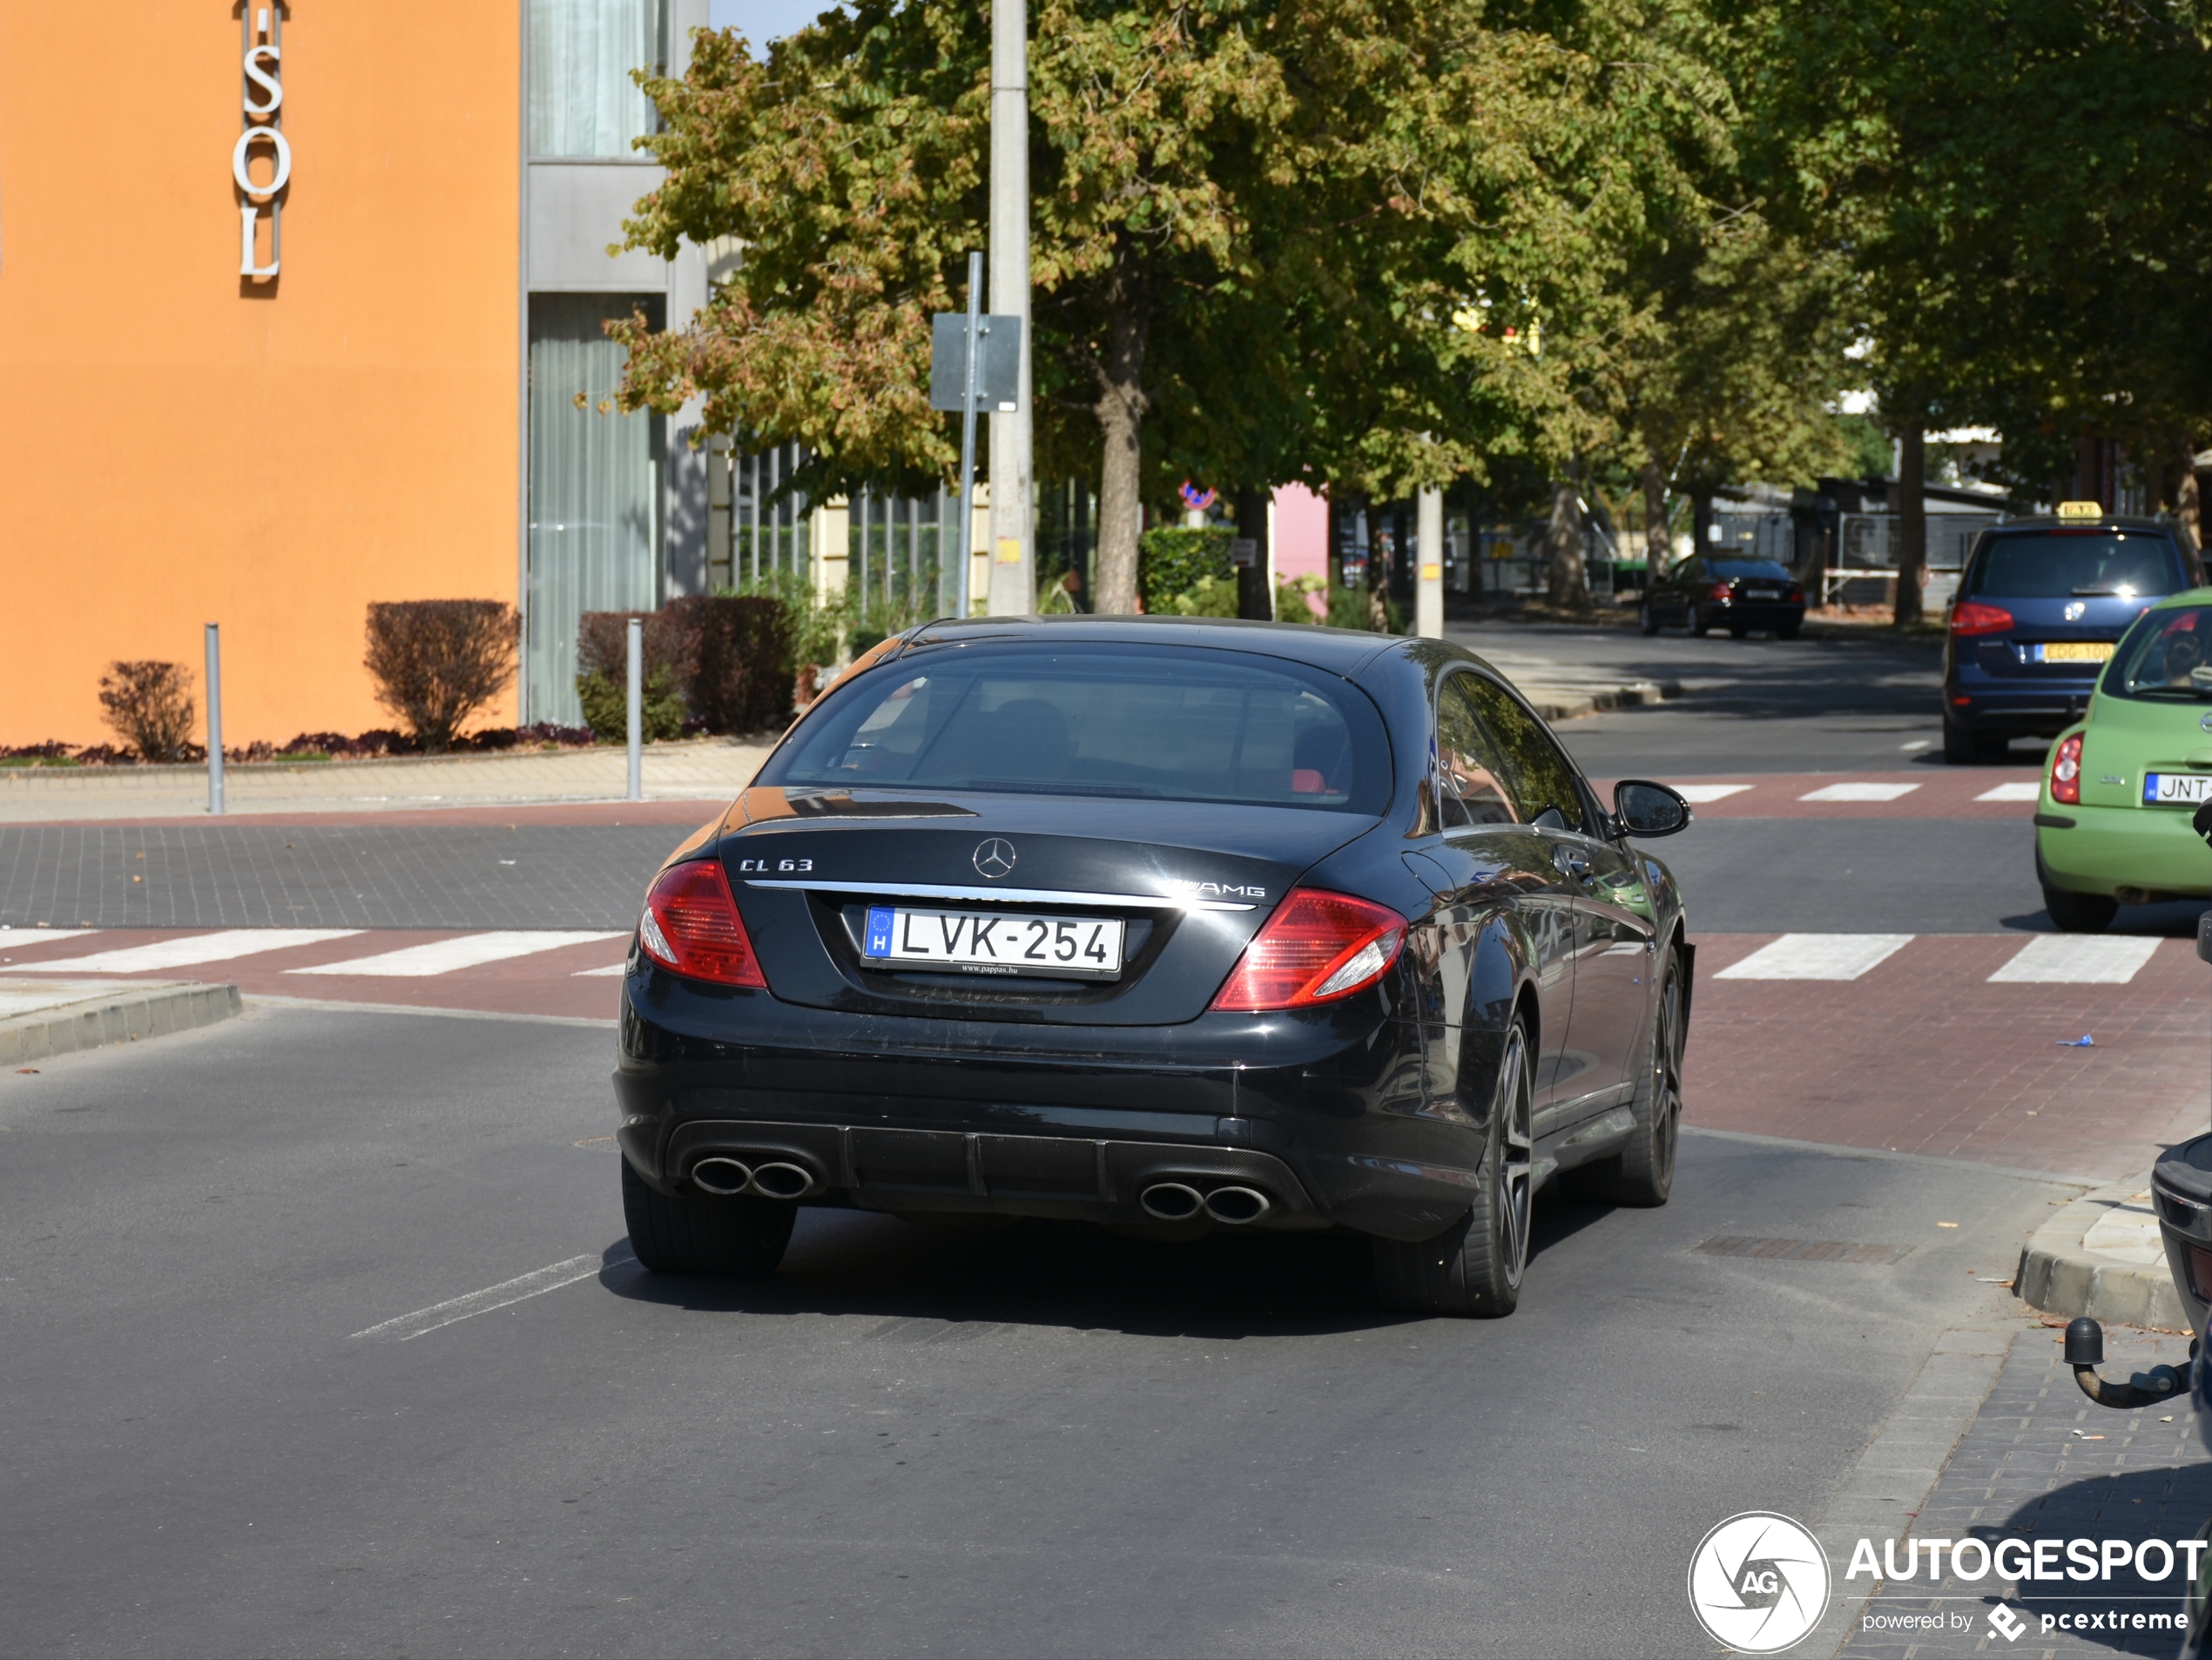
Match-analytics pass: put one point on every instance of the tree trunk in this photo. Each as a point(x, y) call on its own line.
point(1658, 552)
point(1121, 421)
point(1565, 583)
point(1254, 603)
point(1912, 519)
point(2187, 505)
point(1701, 521)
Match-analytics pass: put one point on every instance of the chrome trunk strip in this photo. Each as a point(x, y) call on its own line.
point(1013, 895)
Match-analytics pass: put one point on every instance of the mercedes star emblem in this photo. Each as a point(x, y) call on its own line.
point(995, 857)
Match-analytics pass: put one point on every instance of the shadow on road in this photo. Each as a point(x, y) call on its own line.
point(942, 1284)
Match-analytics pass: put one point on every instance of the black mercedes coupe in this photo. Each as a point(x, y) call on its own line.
point(1168, 925)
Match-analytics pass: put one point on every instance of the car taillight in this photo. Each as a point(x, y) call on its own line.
point(2066, 771)
point(1796, 597)
point(1317, 947)
point(1722, 590)
point(692, 926)
point(1969, 617)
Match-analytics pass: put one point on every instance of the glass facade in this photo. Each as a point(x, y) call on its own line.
point(581, 100)
point(595, 492)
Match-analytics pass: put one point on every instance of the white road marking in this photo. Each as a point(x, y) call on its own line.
point(536, 1283)
point(1695, 792)
point(193, 949)
point(2013, 793)
point(12, 937)
point(1860, 792)
point(1817, 956)
point(467, 951)
point(2078, 960)
point(1919, 743)
point(610, 970)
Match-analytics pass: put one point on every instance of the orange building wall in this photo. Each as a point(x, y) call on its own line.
point(172, 453)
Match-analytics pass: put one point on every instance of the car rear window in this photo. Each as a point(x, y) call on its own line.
point(1742, 569)
point(2162, 655)
point(2058, 564)
point(1155, 723)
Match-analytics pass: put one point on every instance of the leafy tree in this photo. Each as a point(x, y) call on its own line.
point(1272, 238)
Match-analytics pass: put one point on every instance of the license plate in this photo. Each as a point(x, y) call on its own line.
point(1762, 593)
point(1079, 948)
point(2176, 789)
point(2071, 652)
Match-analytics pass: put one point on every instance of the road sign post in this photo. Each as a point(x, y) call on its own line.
point(1428, 602)
point(634, 724)
point(975, 362)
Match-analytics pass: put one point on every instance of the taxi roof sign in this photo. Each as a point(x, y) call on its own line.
point(2081, 510)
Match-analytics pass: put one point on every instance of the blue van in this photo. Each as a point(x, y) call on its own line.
point(2040, 604)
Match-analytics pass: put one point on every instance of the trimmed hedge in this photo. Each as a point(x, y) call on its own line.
point(719, 663)
point(1170, 559)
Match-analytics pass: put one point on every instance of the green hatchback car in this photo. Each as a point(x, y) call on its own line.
point(2120, 788)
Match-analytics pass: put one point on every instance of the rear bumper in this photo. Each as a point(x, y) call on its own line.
point(1321, 1112)
point(2146, 850)
point(1751, 614)
point(2040, 707)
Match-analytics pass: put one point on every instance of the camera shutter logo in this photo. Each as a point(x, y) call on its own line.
point(994, 857)
point(1758, 1582)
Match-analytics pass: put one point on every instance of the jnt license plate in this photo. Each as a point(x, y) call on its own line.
point(2072, 652)
point(1081, 947)
point(2176, 789)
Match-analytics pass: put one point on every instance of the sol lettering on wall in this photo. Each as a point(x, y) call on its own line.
point(261, 142)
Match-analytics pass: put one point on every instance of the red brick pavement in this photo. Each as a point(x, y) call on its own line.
point(1940, 793)
point(1921, 1055)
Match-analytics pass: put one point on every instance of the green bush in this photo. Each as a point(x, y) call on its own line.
point(1356, 608)
point(1290, 599)
point(606, 706)
point(1171, 558)
point(1209, 596)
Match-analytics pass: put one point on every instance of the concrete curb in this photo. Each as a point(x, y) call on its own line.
point(2061, 1274)
point(1632, 696)
point(114, 1017)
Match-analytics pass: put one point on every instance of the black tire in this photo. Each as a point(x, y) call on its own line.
point(1642, 1173)
point(1475, 1267)
point(1645, 620)
point(692, 1233)
point(2079, 912)
point(1960, 747)
point(1737, 633)
point(1788, 630)
point(1699, 628)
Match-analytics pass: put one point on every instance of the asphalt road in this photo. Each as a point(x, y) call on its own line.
point(234, 1428)
point(1036, 1441)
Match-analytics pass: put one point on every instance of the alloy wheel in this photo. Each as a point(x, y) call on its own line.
point(1515, 1163)
point(1666, 1081)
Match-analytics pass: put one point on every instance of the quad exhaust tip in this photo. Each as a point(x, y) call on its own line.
point(727, 1177)
point(723, 1176)
point(1171, 1201)
point(1179, 1202)
point(1236, 1205)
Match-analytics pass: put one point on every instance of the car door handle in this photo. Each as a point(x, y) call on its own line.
point(1569, 862)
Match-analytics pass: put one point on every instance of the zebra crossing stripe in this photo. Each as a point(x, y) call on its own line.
point(2078, 960)
point(1817, 956)
point(184, 953)
point(468, 951)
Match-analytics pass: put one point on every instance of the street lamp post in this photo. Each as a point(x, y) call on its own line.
point(1013, 568)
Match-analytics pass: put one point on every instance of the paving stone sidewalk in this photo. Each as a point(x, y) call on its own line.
point(710, 769)
point(2040, 1462)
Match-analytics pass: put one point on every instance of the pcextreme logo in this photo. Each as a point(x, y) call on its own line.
point(1758, 1582)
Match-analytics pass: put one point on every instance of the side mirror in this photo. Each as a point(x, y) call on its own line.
point(1647, 809)
point(2204, 933)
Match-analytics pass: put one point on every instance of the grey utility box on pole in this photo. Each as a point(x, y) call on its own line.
point(973, 359)
point(636, 723)
point(215, 717)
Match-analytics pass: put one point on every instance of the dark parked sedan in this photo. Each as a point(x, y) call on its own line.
point(1739, 595)
point(1167, 925)
point(2040, 605)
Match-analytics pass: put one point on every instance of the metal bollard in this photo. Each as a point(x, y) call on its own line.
point(637, 709)
point(215, 717)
